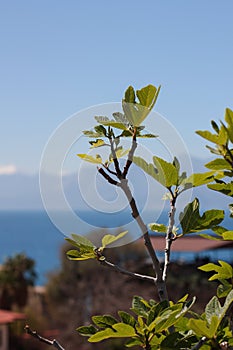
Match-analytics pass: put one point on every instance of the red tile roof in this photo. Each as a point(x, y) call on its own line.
point(190, 244)
point(10, 316)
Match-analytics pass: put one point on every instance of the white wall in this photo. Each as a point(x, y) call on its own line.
point(4, 337)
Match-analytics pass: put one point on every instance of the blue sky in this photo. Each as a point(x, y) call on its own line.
point(58, 57)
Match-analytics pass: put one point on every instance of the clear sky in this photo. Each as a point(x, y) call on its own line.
point(58, 57)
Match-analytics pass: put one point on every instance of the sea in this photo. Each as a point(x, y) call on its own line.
point(34, 234)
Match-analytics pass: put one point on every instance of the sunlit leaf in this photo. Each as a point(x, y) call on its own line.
point(108, 239)
point(167, 172)
point(97, 143)
point(224, 270)
point(228, 235)
point(198, 179)
point(224, 288)
point(229, 120)
point(96, 160)
point(137, 112)
point(158, 227)
point(81, 240)
point(112, 123)
point(147, 96)
point(118, 330)
point(80, 255)
point(218, 164)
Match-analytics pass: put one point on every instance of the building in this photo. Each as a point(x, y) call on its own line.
point(7, 318)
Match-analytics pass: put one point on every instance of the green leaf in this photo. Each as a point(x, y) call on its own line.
point(118, 330)
point(229, 120)
point(87, 330)
point(147, 136)
point(228, 235)
point(213, 308)
point(112, 123)
point(198, 179)
point(166, 320)
point(134, 112)
point(103, 321)
point(218, 164)
point(147, 167)
point(85, 248)
point(92, 134)
point(101, 130)
point(96, 160)
point(199, 327)
point(127, 318)
point(223, 188)
point(133, 342)
point(224, 271)
point(223, 289)
point(158, 227)
point(215, 126)
point(191, 221)
point(208, 136)
point(81, 240)
point(108, 239)
point(97, 143)
point(167, 172)
point(219, 139)
point(147, 96)
point(80, 255)
point(140, 306)
point(227, 304)
point(130, 95)
point(210, 237)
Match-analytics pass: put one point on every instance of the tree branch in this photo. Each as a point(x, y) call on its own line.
point(130, 155)
point(34, 334)
point(169, 235)
point(159, 282)
point(199, 344)
point(161, 286)
point(126, 272)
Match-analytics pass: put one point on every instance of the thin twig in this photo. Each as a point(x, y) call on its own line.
point(53, 343)
point(199, 344)
point(126, 272)
point(110, 171)
point(169, 238)
point(107, 177)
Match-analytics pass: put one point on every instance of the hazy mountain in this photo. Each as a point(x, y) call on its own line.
point(22, 192)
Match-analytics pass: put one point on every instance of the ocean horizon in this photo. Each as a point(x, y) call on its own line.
point(33, 233)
